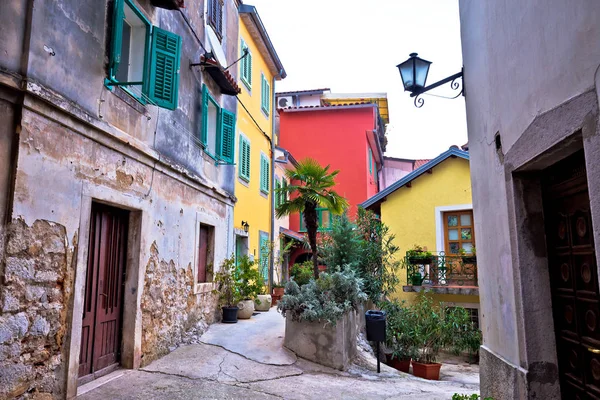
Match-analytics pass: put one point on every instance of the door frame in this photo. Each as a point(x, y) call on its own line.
point(131, 327)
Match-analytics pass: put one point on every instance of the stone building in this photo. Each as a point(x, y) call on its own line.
point(117, 122)
point(532, 84)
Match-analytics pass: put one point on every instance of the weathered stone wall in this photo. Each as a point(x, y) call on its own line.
point(170, 309)
point(34, 294)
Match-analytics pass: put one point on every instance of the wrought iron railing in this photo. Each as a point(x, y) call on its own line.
point(442, 270)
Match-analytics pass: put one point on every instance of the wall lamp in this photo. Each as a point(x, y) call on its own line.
point(414, 73)
point(246, 226)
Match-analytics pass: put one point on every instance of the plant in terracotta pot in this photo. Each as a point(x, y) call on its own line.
point(419, 255)
point(278, 291)
point(430, 334)
point(465, 336)
point(399, 341)
point(227, 290)
point(250, 286)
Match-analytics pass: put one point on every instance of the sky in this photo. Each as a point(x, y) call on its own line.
point(353, 46)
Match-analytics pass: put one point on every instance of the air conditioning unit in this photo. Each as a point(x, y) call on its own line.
point(284, 102)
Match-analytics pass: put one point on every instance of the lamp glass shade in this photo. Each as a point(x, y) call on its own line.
point(414, 73)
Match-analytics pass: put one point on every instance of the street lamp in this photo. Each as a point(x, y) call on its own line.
point(414, 73)
point(246, 226)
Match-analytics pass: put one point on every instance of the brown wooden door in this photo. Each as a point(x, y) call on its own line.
point(103, 302)
point(574, 278)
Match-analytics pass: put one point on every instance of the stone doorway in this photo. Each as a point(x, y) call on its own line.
point(573, 277)
point(103, 294)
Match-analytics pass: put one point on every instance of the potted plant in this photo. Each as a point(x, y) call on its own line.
point(278, 290)
point(398, 335)
point(419, 255)
point(468, 258)
point(465, 337)
point(228, 291)
point(250, 286)
point(430, 334)
point(263, 300)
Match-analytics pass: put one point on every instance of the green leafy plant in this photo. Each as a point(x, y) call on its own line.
point(326, 299)
point(398, 330)
point(249, 279)
point(227, 287)
point(466, 337)
point(302, 272)
point(310, 188)
point(341, 245)
point(377, 264)
point(418, 254)
point(428, 330)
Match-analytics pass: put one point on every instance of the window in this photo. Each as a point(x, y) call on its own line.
point(215, 16)
point(218, 129)
point(264, 173)
point(370, 162)
point(144, 59)
point(246, 66)
point(205, 246)
point(459, 232)
point(244, 162)
point(265, 98)
point(473, 315)
point(324, 218)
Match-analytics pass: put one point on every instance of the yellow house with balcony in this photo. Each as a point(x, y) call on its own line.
point(431, 207)
point(258, 69)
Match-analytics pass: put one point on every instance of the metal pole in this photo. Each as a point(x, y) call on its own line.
point(378, 368)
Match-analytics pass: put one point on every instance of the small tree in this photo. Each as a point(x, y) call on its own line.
point(342, 245)
point(310, 188)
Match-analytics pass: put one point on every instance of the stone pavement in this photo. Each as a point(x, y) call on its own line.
point(247, 361)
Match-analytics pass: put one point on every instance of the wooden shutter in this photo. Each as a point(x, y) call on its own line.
point(117, 37)
point(277, 193)
point(249, 68)
point(204, 127)
point(227, 136)
point(164, 68)
point(264, 174)
point(244, 161)
point(265, 94)
point(370, 161)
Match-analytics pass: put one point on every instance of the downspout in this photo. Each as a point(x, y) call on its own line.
point(273, 111)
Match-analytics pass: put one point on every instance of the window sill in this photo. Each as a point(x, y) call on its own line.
point(247, 85)
point(127, 97)
point(244, 181)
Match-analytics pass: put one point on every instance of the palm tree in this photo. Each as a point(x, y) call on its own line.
point(309, 189)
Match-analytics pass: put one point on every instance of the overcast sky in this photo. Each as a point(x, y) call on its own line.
point(354, 46)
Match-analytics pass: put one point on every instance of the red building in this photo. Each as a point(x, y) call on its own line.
point(343, 131)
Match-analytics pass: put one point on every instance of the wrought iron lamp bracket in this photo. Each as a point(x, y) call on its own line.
point(454, 85)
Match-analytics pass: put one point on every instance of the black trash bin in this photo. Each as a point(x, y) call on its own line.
point(375, 322)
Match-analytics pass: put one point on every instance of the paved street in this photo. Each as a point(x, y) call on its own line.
point(247, 361)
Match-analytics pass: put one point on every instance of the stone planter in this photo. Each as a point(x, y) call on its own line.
point(332, 346)
point(263, 302)
point(245, 309)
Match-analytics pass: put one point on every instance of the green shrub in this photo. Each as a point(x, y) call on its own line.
point(341, 246)
point(249, 278)
point(302, 272)
point(326, 299)
point(227, 287)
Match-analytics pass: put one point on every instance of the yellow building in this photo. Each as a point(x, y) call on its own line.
point(431, 207)
point(257, 72)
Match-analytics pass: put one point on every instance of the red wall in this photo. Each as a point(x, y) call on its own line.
point(337, 138)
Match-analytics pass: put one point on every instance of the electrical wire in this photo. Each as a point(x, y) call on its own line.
point(253, 120)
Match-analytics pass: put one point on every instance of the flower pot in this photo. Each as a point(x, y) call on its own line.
point(469, 260)
point(278, 291)
point(263, 302)
point(418, 260)
point(427, 371)
point(230, 315)
point(400, 364)
point(245, 309)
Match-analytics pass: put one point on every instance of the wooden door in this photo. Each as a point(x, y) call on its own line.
point(573, 277)
point(103, 302)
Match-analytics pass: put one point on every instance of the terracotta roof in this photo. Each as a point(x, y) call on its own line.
point(302, 91)
point(328, 106)
point(418, 163)
point(221, 76)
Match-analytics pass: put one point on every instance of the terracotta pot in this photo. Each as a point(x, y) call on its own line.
point(275, 298)
point(278, 291)
point(400, 365)
point(230, 315)
point(427, 371)
point(245, 309)
point(263, 302)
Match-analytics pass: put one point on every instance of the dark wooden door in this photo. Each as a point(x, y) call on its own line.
point(103, 303)
point(574, 278)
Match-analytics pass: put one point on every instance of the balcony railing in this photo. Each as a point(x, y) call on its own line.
point(442, 270)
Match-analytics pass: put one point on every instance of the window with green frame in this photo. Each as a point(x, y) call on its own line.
point(324, 217)
point(265, 98)
point(277, 193)
point(144, 59)
point(246, 65)
point(264, 173)
point(370, 162)
point(218, 129)
point(244, 161)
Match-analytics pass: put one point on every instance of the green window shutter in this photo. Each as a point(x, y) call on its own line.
point(117, 37)
point(246, 65)
point(247, 159)
point(264, 255)
point(249, 68)
point(204, 127)
point(370, 162)
point(302, 227)
point(277, 193)
point(164, 68)
point(227, 136)
point(244, 159)
point(265, 94)
point(264, 174)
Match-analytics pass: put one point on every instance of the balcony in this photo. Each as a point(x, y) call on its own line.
point(442, 274)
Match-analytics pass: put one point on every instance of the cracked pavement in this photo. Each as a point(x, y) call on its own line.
point(247, 361)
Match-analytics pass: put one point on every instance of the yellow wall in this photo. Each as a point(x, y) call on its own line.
point(410, 213)
point(252, 205)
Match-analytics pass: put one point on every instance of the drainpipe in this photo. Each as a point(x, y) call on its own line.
point(273, 110)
